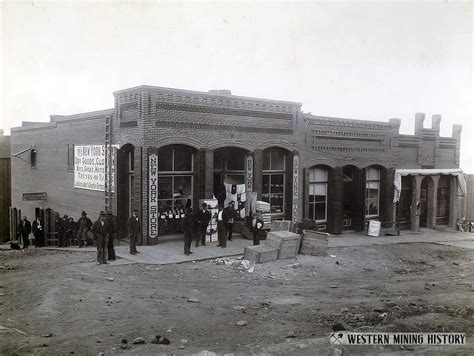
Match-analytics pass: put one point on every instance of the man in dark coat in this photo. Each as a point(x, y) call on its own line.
point(38, 231)
point(257, 226)
point(134, 230)
point(221, 228)
point(203, 217)
point(59, 228)
point(229, 215)
point(24, 230)
point(188, 226)
point(101, 231)
point(84, 225)
point(112, 220)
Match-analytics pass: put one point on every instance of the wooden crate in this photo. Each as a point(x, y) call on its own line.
point(286, 242)
point(282, 225)
point(261, 253)
point(314, 243)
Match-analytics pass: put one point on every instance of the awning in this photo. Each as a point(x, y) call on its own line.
point(397, 179)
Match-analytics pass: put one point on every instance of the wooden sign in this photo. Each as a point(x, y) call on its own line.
point(35, 196)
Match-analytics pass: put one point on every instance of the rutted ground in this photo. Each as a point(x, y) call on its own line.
point(57, 302)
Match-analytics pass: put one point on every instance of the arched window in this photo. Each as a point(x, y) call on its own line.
point(372, 192)
point(318, 194)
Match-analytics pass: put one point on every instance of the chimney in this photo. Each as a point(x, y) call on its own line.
point(419, 119)
point(436, 122)
point(457, 129)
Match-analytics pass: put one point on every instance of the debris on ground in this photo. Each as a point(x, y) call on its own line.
point(139, 340)
point(110, 278)
point(193, 300)
point(241, 323)
point(160, 340)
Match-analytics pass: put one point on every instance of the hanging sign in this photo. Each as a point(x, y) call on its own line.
point(153, 196)
point(296, 168)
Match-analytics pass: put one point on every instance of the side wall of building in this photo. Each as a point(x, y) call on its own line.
point(5, 186)
point(51, 174)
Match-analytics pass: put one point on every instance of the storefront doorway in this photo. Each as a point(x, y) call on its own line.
point(229, 167)
point(353, 199)
point(125, 186)
point(424, 199)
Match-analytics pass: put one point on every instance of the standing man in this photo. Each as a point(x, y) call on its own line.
point(257, 225)
point(24, 229)
point(221, 230)
point(188, 227)
point(112, 220)
point(38, 231)
point(229, 216)
point(85, 225)
point(134, 230)
point(101, 231)
point(203, 218)
point(59, 228)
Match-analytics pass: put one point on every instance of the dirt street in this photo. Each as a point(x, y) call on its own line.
point(58, 302)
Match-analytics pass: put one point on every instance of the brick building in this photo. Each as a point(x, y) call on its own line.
point(5, 186)
point(337, 172)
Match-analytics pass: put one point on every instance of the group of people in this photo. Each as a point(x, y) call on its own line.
point(67, 231)
point(104, 231)
point(196, 224)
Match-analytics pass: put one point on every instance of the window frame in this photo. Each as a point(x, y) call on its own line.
point(325, 183)
point(367, 198)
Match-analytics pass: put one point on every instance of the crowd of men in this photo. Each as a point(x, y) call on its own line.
point(67, 232)
point(196, 225)
point(103, 232)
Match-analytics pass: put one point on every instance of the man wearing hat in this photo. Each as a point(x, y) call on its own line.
point(203, 218)
point(59, 229)
point(134, 231)
point(112, 220)
point(101, 231)
point(188, 226)
point(229, 215)
point(85, 225)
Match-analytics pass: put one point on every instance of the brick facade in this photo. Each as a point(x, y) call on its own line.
point(151, 118)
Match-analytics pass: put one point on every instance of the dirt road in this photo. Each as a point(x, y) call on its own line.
point(57, 302)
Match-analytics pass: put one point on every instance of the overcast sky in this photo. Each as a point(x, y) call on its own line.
point(361, 60)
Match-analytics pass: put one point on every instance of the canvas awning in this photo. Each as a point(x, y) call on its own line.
point(399, 173)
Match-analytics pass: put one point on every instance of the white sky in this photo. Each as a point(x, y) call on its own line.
point(361, 60)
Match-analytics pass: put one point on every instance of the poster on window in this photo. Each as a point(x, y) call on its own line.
point(89, 167)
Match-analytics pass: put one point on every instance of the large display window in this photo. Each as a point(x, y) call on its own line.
point(318, 194)
point(175, 187)
point(273, 180)
point(372, 192)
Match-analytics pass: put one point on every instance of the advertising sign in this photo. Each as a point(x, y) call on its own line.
point(153, 195)
point(89, 167)
point(296, 167)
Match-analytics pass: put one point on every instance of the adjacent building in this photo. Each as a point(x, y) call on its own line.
point(160, 149)
point(5, 186)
